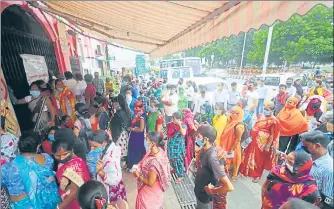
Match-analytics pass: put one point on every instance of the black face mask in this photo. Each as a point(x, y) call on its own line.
point(306, 149)
point(44, 89)
point(96, 105)
point(203, 92)
point(68, 158)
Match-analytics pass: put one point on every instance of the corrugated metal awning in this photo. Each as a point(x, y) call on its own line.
point(165, 27)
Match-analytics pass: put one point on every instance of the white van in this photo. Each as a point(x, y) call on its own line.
point(173, 74)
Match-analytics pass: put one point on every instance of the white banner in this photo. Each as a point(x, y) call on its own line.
point(35, 67)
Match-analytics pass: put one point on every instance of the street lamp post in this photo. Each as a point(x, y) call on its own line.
point(266, 55)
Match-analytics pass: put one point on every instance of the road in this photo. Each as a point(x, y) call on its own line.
point(246, 194)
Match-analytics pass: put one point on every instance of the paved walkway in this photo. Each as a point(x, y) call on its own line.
point(247, 195)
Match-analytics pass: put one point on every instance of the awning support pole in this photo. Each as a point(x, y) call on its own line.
point(242, 55)
point(266, 55)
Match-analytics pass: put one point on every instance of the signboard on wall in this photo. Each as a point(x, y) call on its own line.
point(35, 68)
point(7, 111)
point(63, 37)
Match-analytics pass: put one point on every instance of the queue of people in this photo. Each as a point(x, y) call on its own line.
point(87, 132)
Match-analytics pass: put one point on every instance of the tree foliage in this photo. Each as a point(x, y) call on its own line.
point(306, 38)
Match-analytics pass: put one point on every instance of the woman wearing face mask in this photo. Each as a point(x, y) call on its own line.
point(313, 109)
point(136, 141)
point(176, 130)
point(66, 99)
point(104, 165)
point(219, 120)
point(120, 122)
point(84, 119)
point(154, 118)
point(291, 180)
point(230, 139)
point(153, 174)
point(259, 154)
point(130, 100)
point(47, 143)
point(71, 174)
point(46, 90)
point(29, 177)
point(188, 120)
point(292, 124)
point(42, 111)
point(101, 115)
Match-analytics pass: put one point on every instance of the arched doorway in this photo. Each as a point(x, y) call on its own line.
point(22, 34)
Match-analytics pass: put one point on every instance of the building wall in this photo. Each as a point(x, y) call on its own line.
point(50, 26)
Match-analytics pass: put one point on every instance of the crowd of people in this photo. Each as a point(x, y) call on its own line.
point(87, 130)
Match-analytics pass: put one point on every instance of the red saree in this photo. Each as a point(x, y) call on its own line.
point(255, 158)
point(188, 119)
point(74, 171)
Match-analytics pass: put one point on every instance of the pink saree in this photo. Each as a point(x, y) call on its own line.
point(74, 171)
point(152, 197)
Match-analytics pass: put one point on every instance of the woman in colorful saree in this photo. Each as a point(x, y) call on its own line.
point(259, 154)
point(66, 99)
point(153, 174)
point(136, 148)
point(230, 139)
point(176, 130)
point(188, 119)
point(71, 174)
point(104, 164)
point(292, 123)
point(29, 177)
point(291, 180)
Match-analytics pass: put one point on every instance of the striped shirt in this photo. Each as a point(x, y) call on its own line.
point(322, 171)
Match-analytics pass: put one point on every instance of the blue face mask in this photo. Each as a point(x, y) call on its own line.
point(199, 142)
point(267, 112)
point(51, 137)
point(60, 89)
point(147, 145)
point(98, 150)
point(35, 93)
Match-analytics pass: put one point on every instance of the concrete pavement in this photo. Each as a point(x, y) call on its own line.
point(247, 195)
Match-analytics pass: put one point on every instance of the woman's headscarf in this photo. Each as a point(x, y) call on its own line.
point(313, 106)
point(228, 136)
point(291, 120)
point(188, 116)
point(286, 184)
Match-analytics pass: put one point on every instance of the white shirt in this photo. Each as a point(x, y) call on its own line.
point(262, 92)
point(71, 84)
point(189, 93)
point(220, 96)
point(80, 91)
point(174, 98)
point(251, 98)
point(291, 91)
point(233, 97)
point(199, 101)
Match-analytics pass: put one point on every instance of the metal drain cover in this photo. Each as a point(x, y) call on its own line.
point(185, 192)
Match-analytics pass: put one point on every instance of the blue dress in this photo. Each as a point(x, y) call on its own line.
point(136, 147)
point(24, 175)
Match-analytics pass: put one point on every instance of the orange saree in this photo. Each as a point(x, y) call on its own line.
point(291, 119)
point(67, 103)
point(255, 157)
point(229, 138)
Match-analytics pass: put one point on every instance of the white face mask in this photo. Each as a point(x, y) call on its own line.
point(128, 98)
point(218, 112)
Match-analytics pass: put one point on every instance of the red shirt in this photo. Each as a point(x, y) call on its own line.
point(47, 147)
point(90, 94)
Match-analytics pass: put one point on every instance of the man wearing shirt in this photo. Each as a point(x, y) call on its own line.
point(98, 83)
point(233, 96)
point(170, 100)
point(315, 143)
point(262, 91)
point(70, 82)
point(189, 94)
point(290, 88)
point(80, 89)
point(252, 98)
point(220, 96)
point(201, 100)
point(209, 171)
